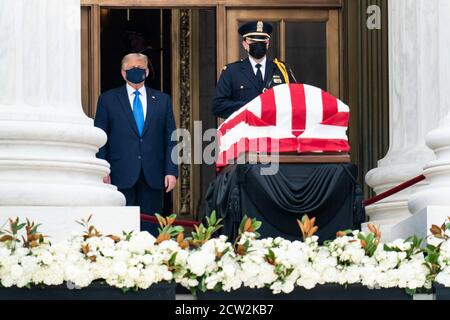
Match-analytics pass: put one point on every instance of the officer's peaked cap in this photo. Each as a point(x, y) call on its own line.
point(256, 30)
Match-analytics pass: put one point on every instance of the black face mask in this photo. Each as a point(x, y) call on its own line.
point(136, 75)
point(258, 49)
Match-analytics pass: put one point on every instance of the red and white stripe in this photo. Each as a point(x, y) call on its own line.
point(287, 118)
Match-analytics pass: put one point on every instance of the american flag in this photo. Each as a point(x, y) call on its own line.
point(287, 118)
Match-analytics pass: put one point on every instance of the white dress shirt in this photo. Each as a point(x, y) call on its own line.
point(142, 96)
point(262, 63)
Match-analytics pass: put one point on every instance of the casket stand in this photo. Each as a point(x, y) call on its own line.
point(321, 185)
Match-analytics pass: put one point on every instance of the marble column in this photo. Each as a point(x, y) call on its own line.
point(418, 73)
point(47, 143)
point(437, 171)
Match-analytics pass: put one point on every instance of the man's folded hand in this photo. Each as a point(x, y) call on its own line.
point(170, 182)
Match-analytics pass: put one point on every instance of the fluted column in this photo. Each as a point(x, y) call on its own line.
point(418, 82)
point(47, 143)
point(437, 171)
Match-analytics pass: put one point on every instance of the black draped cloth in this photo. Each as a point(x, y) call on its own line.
point(329, 192)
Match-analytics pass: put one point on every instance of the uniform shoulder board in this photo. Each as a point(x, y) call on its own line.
point(225, 67)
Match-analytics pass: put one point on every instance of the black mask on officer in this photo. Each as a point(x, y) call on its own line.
point(258, 49)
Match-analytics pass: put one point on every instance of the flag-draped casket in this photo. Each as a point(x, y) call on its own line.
point(287, 118)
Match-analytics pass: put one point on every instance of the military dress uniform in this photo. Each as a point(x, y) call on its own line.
point(238, 84)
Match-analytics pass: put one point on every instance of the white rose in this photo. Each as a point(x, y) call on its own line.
point(46, 257)
point(7, 282)
point(192, 283)
point(141, 242)
point(169, 245)
point(4, 252)
point(147, 259)
point(199, 261)
point(167, 275)
point(16, 272)
point(133, 273)
point(21, 252)
point(182, 257)
point(120, 268)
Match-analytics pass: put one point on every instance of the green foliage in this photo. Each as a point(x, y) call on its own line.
point(172, 259)
point(416, 247)
point(369, 243)
point(249, 225)
point(270, 257)
point(202, 234)
point(432, 260)
point(410, 292)
point(167, 230)
point(127, 235)
point(10, 236)
point(166, 226)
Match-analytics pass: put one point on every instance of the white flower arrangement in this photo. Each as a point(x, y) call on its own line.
point(130, 261)
point(137, 260)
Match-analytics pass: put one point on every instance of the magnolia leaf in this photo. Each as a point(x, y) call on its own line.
point(172, 259)
point(256, 225)
point(246, 245)
point(218, 287)
point(247, 225)
point(161, 220)
point(306, 223)
point(435, 230)
point(271, 254)
point(313, 231)
point(212, 218)
point(202, 285)
point(178, 229)
point(170, 220)
point(340, 234)
point(240, 249)
point(6, 238)
point(226, 250)
point(180, 237)
point(241, 226)
point(304, 218)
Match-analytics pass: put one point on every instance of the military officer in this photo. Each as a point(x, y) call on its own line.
point(242, 81)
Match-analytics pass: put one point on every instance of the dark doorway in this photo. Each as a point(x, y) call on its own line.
point(146, 31)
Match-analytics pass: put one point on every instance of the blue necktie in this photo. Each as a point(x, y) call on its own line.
point(138, 112)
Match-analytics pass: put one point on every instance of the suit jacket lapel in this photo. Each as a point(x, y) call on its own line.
point(151, 105)
point(248, 72)
point(126, 107)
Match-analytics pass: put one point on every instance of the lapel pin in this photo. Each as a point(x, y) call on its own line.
point(153, 97)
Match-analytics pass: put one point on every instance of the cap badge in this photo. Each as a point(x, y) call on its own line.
point(259, 26)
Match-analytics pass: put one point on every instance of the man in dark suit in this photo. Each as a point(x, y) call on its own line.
point(139, 123)
point(244, 80)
